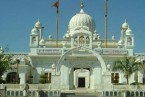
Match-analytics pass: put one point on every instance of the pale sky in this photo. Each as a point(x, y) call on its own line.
point(17, 18)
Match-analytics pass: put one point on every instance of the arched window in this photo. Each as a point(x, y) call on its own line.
point(33, 40)
point(81, 40)
point(115, 77)
point(129, 41)
point(11, 77)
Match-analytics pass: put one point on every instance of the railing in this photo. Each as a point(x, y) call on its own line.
point(31, 86)
point(38, 93)
point(35, 90)
point(128, 87)
point(2, 86)
point(45, 89)
point(48, 87)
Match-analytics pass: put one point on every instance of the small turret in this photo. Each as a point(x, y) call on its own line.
point(34, 38)
point(36, 35)
point(42, 43)
point(129, 38)
point(40, 28)
point(124, 26)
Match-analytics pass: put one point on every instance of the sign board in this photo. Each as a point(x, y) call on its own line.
point(115, 51)
point(49, 51)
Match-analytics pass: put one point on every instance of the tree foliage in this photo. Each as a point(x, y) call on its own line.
point(5, 62)
point(128, 66)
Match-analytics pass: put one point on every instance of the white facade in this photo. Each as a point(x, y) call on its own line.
point(81, 59)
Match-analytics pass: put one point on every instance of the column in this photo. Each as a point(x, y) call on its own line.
point(140, 77)
point(90, 37)
point(22, 77)
point(85, 40)
point(132, 41)
point(72, 42)
point(97, 77)
point(78, 39)
point(64, 77)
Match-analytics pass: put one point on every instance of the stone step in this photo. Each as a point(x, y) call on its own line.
point(80, 95)
point(83, 96)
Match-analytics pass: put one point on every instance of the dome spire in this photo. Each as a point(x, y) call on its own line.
point(82, 6)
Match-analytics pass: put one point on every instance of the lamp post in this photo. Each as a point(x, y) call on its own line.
point(17, 75)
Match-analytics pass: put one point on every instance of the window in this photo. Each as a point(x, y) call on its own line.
point(115, 77)
point(46, 77)
point(12, 93)
point(8, 93)
point(127, 93)
point(21, 93)
point(129, 41)
point(34, 40)
point(137, 94)
point(107, 93)
point(111, 93)
point(49, 78)
point(132, 93)
point(16, 93)
point(141, 93)
point(115, 93)
point(12, 78)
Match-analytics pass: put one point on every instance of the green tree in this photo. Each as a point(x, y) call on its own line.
point(5, 62)
point(128, 66)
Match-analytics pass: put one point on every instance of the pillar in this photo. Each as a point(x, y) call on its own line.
point(72, 42)
point(91, 43)
point(64, 77)
point(97, 77)
point(22, 77)
point(140, 77)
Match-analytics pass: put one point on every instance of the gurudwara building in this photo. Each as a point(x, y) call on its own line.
point(80, 64)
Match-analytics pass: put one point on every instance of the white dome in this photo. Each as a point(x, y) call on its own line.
point(120, 42)
point(66, 35)
point(128, 31)
point(34, 31)
point(95, 34)
point(125, 25)
point(42, 42)
point(82, 19)
point(38, 24)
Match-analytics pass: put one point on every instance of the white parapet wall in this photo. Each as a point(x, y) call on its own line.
point(34, 90)
point(2, 90)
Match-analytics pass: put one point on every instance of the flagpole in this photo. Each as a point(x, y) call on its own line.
point(106, 23)
point(56, 4)
point(57, 25)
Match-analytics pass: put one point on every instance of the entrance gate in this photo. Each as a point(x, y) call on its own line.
point(81, 82)
point(89, 83)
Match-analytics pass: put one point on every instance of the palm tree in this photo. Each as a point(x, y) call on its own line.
point(128, 66)
point(5, 62)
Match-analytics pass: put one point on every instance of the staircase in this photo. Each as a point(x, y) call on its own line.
point(81, 93)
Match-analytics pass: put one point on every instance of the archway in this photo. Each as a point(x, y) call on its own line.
point(64, 70)
point(11, 77)
point(96, 54)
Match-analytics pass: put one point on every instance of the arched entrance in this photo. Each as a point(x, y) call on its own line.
point(12, 78)
point(81, 77)
point(75, 76)
point(96, 54)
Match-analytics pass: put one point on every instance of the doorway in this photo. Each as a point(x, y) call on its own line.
point(81, 82)
point(12, 78)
